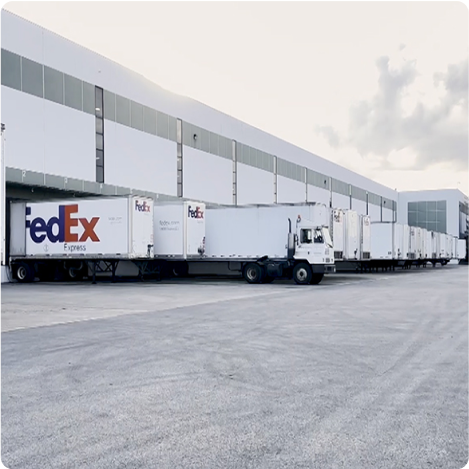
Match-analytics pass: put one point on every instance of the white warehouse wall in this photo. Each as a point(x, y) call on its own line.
point(29, 40)
point(207, 177)
point(374, 211)
point(289, 191)
point(316, 194)
point(139, 160)
point(21, 114)
point(254, 186)
point(359, 206)
point(340, 201)
point(48, 137)
point(387, 214)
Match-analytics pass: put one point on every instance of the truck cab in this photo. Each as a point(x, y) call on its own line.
point(314, 244)
point(313, 253)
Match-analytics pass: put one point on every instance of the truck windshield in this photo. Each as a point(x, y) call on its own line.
point(327, 237)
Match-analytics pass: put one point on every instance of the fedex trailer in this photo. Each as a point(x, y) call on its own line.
point(68, 236)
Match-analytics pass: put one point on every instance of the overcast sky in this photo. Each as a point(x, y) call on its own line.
point(381, 88)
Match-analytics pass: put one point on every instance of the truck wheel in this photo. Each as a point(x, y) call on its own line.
point(253, 273)
point(302, 273)
point(75, 272)
point(316, 278)
point(24, 272)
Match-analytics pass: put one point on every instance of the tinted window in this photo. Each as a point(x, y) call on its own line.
point(109, 105)
point(53, 85)
point(162, 125)
point(122, 110)
point(172, 127)
point(99, 158)
point(98, 102)
point(99, 142)
point(73, 92)
point(149, 120)
point(32, 80)
point(88, 98)
point(136, 115)
point(99, 125)
point(11, 70)
point(99, 174)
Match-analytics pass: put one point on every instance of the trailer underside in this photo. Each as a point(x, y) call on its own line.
point(264, 268)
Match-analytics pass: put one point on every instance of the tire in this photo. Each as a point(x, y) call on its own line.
point(302, 273)
point(24, 272)
point(253, 273)
point(75, 272)
point(316, 279)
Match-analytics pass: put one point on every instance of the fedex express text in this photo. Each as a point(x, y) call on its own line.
point(65, 228)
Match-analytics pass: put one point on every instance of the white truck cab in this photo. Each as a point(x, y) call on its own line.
point(311, 251)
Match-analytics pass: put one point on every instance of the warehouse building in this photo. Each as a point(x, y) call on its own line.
point(445, 211)
point(78, 124)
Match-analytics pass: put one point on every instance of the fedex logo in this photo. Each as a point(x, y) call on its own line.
point(142, 206)
point(197, 213)
point(59, 229)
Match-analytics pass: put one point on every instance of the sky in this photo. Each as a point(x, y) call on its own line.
point(378, 87)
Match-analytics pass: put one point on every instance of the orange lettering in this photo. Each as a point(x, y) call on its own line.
point(70, 222)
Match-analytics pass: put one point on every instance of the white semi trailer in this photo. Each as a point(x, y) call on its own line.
point(74, 238)
point(263, 242)
point(69, 237)
point(394, 244)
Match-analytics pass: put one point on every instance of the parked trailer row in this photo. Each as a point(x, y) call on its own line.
point(83, 237)
point(396, 244)
point(90, 236)
point(357, 240)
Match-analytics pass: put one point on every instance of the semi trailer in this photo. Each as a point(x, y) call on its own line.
point(86, 237)
point(394, 244)
point(69, 238)
point(261, 242)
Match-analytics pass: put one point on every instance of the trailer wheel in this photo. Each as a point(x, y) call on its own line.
point(316, 279)
point(253, 273)
point(24, 272)
point(75, 272)
point(302, 273)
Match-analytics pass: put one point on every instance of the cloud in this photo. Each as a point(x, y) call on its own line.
point(381, 128)
point(330, 134)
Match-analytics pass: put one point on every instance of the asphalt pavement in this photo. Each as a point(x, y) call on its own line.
point(362, 371)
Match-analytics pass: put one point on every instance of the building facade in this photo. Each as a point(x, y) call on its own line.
point(77, 123)
point(71, 113)
point(445, 210)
